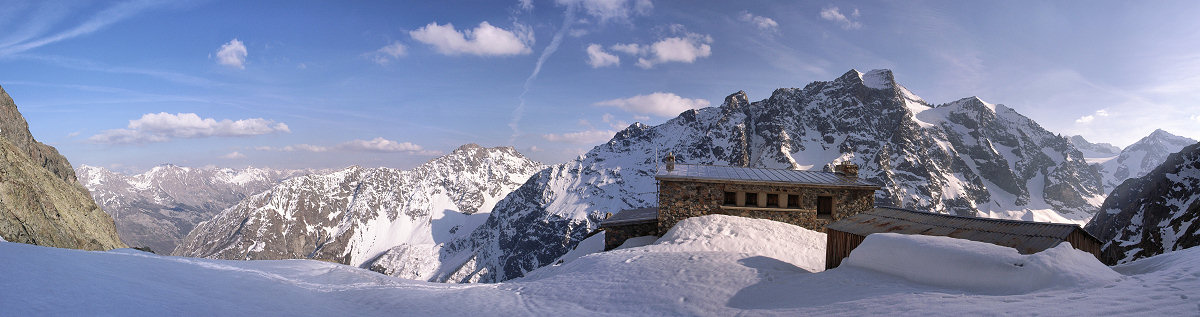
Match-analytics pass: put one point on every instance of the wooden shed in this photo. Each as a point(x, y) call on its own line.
point(1026, 236)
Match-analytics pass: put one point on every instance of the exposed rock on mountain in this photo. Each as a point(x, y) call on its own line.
point(1155, 213)
point(966, 157)
point(40, 202)
point(156, 209)
point(1140, 157)
point(355, 215)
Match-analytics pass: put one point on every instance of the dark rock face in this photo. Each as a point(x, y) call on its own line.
point(156, 209)
point(966, 157)
point(1155, 213)
point(40, 202)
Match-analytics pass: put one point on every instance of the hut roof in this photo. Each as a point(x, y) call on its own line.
point(631, 216)
point(1025, 236)
point(760, 175)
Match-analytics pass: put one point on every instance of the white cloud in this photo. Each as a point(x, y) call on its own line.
point(484, 40)
point(631, 49)
point(835, 15)
point(612, 10)
point(686, 48)
point(597, 57)
point(378, 144)
point(233, 155)
point(386, 54)
point(1092, 117)
point(641, 118)
point(162, 127)
point(761, 22)
point(1196, 117)
point(659, 104)
point(232, 54)
point(526, 5)
point(535, 148)
point(581, 137)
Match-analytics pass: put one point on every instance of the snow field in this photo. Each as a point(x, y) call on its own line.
point(707, 266)
point(977, 266)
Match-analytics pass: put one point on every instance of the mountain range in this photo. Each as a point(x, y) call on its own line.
point(355, 215)
point(487, 215)
point(967, 157)
point(157, 208)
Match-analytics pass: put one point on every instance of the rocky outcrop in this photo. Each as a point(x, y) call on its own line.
point(40, 201)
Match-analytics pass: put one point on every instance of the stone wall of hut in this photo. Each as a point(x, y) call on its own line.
point(794, 204)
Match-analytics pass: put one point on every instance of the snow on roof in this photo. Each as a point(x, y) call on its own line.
point(631, 216)
point(762, 175)
point(1025, 236)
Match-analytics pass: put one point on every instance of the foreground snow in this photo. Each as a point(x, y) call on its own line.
point(712, 265)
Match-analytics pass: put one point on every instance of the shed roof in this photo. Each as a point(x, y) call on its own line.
point(762, 175)
point(1025, 236)
point(631, 216)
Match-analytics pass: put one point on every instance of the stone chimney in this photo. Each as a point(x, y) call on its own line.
point(670, 160)
point(848, 169)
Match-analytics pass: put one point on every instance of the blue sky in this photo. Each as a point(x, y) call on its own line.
point(297, 84)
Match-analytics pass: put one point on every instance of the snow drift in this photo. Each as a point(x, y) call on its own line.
point(978, 266)
point(754, 237)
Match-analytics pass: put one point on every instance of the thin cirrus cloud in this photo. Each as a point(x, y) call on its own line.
point(661, 104)
point(484, 40)
point(686, 47)
point(834, 14)
point(233, 155)
point(163, 127)
point(232, 54)
point(101, 20)
point(760, 22)
point(606, 11)
point(387, 54)
point(581, 137)
point(377, 145)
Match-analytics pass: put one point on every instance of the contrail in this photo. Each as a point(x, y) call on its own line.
point(550, 49)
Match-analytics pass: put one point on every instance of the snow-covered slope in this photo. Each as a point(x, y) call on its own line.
point(156, 209)
point(1095, 152)
point(354, 215)
point(646, 281)
point(1140, 157)
point(1154, 213)
point(967, 157)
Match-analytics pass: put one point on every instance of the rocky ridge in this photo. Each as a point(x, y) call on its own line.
point(40, 201)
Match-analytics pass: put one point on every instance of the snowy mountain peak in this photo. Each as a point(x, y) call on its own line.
point(737, 100)
point(1139, 158)
point(879, 79)
point(874, 79)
